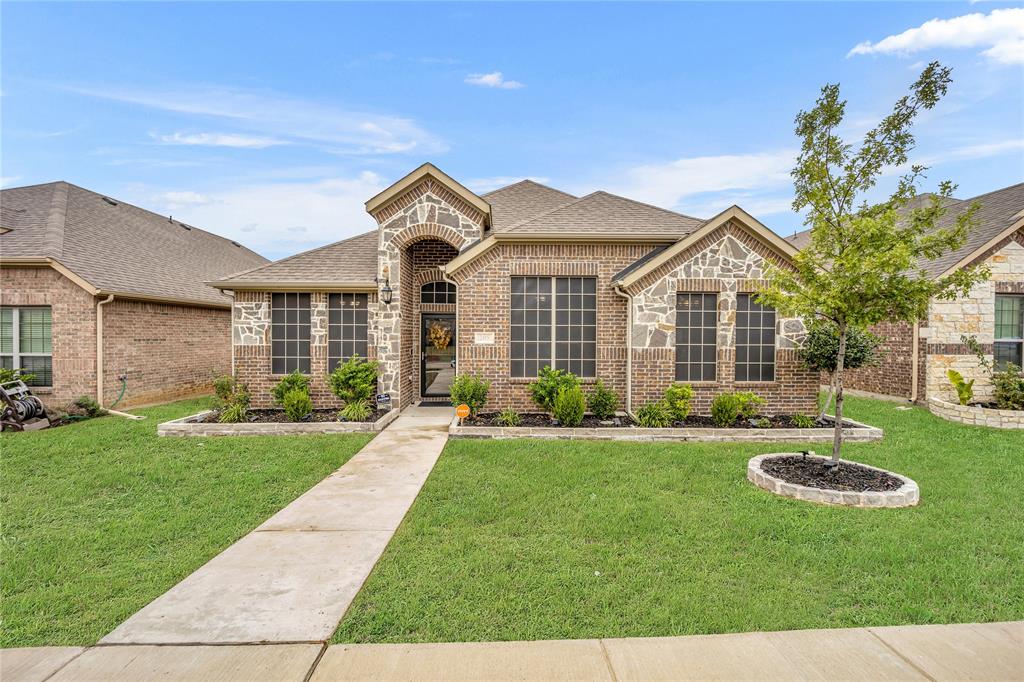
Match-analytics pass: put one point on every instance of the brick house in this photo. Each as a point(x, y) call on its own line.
point(915, 357)
point(93, 289)
point(503, 283)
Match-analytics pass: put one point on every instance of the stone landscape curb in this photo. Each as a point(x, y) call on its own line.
point(186, 426)
point(907, 495)
point(857, 433)
point(977, 416)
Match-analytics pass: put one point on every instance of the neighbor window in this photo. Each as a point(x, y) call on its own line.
point(554, 322)
point(755, 340)
point(289, 333)
point(696, 337)
point(26, 343)
point(347, 325)
point(437, 292)
point(1009, 337)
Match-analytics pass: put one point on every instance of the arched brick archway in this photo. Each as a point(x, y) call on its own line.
point(422, 231)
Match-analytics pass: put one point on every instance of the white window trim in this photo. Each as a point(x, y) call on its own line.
point(15, 354)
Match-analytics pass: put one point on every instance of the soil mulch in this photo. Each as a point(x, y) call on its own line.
point(812, 472)
point(538, 419)
point(279, 417)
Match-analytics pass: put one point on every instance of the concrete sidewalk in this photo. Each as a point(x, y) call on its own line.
point(291, 579)
point(991, 651)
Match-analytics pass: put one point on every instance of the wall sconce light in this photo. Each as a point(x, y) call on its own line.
point(386, 291)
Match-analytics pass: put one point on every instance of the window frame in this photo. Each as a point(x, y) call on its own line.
point(308, 357)
point(702, 346)
point(340, 327)
point(563, 350)
point(17, 354)
point(760, 345)
point(449, 293)
point(1007, 340)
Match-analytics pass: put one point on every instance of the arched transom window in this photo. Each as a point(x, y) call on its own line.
point(437, 292)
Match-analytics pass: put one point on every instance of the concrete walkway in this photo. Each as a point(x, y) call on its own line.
point(291, 579)
point(991, 651)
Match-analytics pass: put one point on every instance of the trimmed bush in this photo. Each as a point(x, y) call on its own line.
point(729, 408)
point(1008, 388)
point(290, 382)
point(569, 406)
point(297, 404)
point(355, 383)
point(602, 402)
point(509, 417)
point(678, 398)
point(223, 387)
point(549, 382)
point(471, 390)
point(653, 416)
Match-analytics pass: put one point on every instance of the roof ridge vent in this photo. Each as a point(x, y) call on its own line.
point(187, 227)
point(236, 243)
point(110, 201)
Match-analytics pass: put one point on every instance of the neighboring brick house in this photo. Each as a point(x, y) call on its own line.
point(93, 289)
point(519, 278)
point(914, 358)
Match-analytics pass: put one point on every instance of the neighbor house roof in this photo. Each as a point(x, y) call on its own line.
point(111, 247)
point(351, 262)
point(1000, 213)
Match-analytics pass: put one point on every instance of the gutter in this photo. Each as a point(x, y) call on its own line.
point(629, 348)
point(99, 347)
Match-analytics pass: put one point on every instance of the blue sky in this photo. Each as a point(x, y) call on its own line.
point(273, 123)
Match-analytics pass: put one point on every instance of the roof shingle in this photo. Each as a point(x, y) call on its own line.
point(350, 260)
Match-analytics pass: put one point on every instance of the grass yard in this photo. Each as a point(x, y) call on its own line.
point(519, 540)
point(101, 517)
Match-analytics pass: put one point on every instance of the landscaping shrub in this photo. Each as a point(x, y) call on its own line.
point(355, 383)
point(471, 390)
point(678, 398)
point(653, 416)
point(549, 382)
point(1009, 388)
point(964, 389)
point(297, 404)
point(509, 417)
point(290, 382)
point(233, 413)
point(763, 423)
point(802, 421)
point(570, 405)
point(223, 387)
point(8, 374)
point(729, 408)
point(602, 402)
point(89, 407)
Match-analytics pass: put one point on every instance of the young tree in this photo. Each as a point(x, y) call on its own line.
point(820, 352)
point(864, 262)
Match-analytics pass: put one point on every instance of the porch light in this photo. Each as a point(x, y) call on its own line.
point(386, 291)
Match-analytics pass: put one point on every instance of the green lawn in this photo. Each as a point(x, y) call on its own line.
point(517, 540)
point(101, 517)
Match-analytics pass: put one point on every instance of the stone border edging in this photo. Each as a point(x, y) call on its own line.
point(857, 433)
point(976, 416)
point(185, 427)
point(907, 495)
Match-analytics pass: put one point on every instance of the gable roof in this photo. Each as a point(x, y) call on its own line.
point(604, 214)
point(523, 201)
point(350, 263)
point(1001, 212)
point(116, 248)
point(409, 181)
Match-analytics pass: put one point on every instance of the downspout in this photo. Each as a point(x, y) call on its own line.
point(458, 332)
point(99, 347)
point(915, 342)
point(629, 348)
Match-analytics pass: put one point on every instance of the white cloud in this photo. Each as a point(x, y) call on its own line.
point(493, 80)
point(220, 140)
point(279, 219)
point(1000, 32)
point(283, 117)
point(482, 185)
point(179, 199)
point(9, 180)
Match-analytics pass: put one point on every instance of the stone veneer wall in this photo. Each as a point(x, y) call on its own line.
point(727, 261)
point(251, 346)
point(973, 315)
point(978, 416)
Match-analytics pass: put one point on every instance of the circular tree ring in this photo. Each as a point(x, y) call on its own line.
point(907, 495)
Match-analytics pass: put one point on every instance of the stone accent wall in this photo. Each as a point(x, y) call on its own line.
point(427, 211)
point(73, 328)
point(167, 351)
point(972, 315)
point(978, 416)
point(252, 350)
point(728, 261)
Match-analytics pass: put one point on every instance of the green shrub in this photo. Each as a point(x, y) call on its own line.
point(802, 421)
point(233, 413)
point(471, 390)
point(602, 402)
point(509, 417)
point(729, 408)
point(653, 416)
point(1008, 388)
point(7, 374)
point(820, 348)
point(749, 403)
point(678, 398)
point(297, 404)
point(964, 389)
point(763, 423)
point(223, 387)
point(290, 382)
point(355, 383)
point(569, 406)
point(89, 406)
point(549, 382)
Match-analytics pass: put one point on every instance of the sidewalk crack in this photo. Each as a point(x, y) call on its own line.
point(900, 655)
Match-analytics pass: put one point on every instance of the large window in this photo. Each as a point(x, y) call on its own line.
point(26, 343)
point(554, 322)
point(1009, 337)
point(755, 340)
point(346, 328)
point(696, 337)
point(437, 292)
point(289, 333)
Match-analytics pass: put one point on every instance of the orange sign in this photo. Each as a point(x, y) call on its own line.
point(462, 411)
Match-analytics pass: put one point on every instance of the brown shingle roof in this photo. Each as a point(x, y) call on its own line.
point(350, 260)
point(116, 247)
point(523, 201)
point(601, 213)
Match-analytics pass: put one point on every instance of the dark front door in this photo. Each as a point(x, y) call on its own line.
point(437, 354)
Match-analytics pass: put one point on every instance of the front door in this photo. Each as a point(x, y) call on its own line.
point(437, 355)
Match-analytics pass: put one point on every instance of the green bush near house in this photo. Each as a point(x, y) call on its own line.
point(355, 383)
point(509, 417)
point(1008, 388)
point(470, 390)
point(678, 399)
point(296, 381)
point(602, 402)
point(964, 389)
point(549, 382)
point(653, 416)
point(729, 408)
point(223, 387)
point(297, 404)
point(803, 421)
point(7, 374)
point(569, 406)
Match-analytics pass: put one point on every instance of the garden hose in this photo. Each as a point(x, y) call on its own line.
point(124, 387)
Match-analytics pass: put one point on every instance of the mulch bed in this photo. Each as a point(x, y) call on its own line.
point(539, 419)
point(279, 417)
point(812, 472)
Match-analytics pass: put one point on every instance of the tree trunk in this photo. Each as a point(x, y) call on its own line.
point(837, 438)
point(828, 398)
